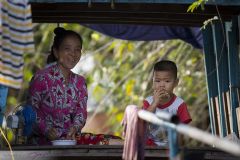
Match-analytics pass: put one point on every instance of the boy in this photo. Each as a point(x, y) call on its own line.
point(163, 99)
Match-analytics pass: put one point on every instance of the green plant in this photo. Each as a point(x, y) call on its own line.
point(196, 4)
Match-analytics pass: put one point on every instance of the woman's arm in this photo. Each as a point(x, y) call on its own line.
point(81, 108)
point(37, 89)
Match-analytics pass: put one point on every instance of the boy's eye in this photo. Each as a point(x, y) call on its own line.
point(78, 50)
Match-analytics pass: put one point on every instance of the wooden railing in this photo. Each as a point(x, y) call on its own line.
point(192, 132)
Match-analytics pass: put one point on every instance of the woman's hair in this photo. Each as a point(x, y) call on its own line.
point(60, 35)
point(166, 65)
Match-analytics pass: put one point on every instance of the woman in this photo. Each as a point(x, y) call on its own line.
point(59, 96)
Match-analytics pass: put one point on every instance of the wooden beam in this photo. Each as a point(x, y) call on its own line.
point(134, 13)
point(216, 2)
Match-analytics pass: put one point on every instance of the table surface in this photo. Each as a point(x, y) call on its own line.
point(104, 152)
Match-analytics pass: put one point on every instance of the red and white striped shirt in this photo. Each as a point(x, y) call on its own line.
point(175, 106)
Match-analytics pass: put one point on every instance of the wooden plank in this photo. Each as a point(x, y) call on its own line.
point(217, 108)
point(206, 153)
point(211, 76)
point(229, 109)
point(214, 116)
point(238, 120)
point(233, 63)
point(83, 152)
point(102, 152)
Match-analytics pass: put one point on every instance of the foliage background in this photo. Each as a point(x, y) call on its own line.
point(121, 73)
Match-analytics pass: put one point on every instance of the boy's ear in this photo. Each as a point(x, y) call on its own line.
point(176, 82)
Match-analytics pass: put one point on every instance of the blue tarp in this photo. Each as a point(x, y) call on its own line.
point(190, 35)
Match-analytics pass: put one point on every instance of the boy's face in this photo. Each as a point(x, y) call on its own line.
point(164, 81)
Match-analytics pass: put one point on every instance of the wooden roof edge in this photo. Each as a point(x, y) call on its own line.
point(137, 13)
point(216, 2)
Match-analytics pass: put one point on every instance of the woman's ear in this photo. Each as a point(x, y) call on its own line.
point(55, 53)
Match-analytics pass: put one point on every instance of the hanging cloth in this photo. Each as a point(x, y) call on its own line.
point(16, 38)
point(134, 133)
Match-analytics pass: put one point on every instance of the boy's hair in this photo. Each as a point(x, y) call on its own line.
point(166, 65)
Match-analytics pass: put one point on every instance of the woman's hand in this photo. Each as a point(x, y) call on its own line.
point(72, 132)
point(52, 134)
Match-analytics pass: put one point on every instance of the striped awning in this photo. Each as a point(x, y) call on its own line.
point(16, 38)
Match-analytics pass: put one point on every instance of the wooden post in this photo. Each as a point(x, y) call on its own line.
point(233, 65)
point(211, 76)
point(238, 120)
point(216, 120)
point(222, 70)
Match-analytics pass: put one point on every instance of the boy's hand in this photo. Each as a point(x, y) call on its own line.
point(160, 95)
point(164, 95)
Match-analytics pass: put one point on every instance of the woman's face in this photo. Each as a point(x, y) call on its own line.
point(69, 53)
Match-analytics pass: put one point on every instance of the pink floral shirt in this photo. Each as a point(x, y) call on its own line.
point(58, 105)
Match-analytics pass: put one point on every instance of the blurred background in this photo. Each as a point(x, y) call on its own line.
point(119, 73)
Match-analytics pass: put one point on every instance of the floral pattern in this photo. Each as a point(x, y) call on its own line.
point(56, 103)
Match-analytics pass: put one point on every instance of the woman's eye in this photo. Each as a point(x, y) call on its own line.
point(66, 49)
